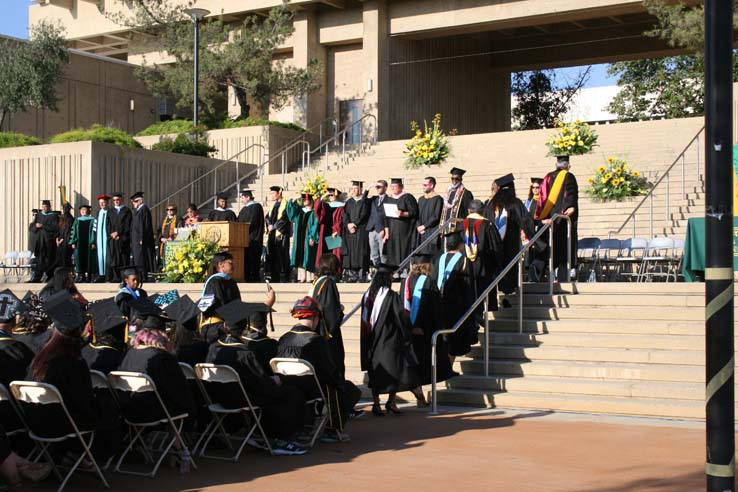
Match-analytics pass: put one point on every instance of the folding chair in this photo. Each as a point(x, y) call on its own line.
point(631, 257)
point(606, 258)
point(657, 259)
point(33, 393)
point(212, 374)
point(137, 382)
point(586, 253)
point(677, 258)
point(303, 368)
point(12, 418)
point(24, 264)
point(9, 264)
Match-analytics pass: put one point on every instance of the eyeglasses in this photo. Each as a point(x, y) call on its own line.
point(535, 187)
point(379, 187)
point(170, 210)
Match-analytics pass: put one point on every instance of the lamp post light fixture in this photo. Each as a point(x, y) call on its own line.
point(196, 15)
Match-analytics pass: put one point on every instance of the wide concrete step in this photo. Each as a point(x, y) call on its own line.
point(609, 300)
point(614, 312)
point(597, 340)
point(584, 327)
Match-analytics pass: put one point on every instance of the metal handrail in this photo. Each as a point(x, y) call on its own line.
point(517, 259)
point(649, 195)
point(407, 260)
point(342, 135)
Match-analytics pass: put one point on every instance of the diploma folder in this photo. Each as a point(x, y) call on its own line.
point(333, 242)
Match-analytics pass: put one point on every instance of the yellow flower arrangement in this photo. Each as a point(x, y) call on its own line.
point(616, 181)
point(190, 260)
point(428, 146)
point(575, 138)
point(315, 186)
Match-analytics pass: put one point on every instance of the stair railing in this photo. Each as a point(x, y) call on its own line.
point(341, 137)
point(518, 259)
point(664, 177)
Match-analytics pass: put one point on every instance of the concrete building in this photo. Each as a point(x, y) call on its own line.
point(405, 60)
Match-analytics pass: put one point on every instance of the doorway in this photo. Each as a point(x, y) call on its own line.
point(350, 111)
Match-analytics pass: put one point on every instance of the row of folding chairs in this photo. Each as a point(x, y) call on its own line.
point(117, 383)
point(634, 259)
point(16, 264)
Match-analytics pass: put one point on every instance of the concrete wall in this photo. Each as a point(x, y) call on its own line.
point(87, 169)
point(93, 90)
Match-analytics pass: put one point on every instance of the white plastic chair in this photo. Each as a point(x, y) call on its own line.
point(657, 260)
point(302, 368)
point(137, 382)
point(23, 264)
point(212, 374)
point(34, 393)
point(9, 264)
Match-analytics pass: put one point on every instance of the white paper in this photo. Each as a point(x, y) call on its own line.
point(390, 210)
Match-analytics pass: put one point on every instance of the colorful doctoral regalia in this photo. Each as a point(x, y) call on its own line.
point(355, 248)
point(401, 229)
point(484, 250)
point(430, 209)
point(325, 291)
point(455, 280)
point(329, 216)
point(456, 205)
point(559, 191)
point(305, 228)
point(83, 238)
point(168, 230)
point(102, 236)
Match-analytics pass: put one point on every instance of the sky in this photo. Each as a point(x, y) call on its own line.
point(14, 23)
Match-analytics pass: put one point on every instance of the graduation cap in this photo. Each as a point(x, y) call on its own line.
point(455, 171)
point(453, 239)
point(331, 190)
point(357, 183)
point(165, 298)
point(222, 256)
point(34, 210)
point(247, 193)
point(128, 270)
point(143, 308)
point(536, 180)
point(183, 311)
point(386, 268)
point(222, 196)
point(562, 159)
point(505, 181)
point(34, 307)
point(258, 312)
point(235, 313)
point(420, 258)
point(117, 194)
point(107, 318)
point(396, 181)
point(306, 196)
point(46, 202)
point(10, 305)
point(103, 197)
point(278, 189)
point(85, 206)
point(66, 313)
point(137, 195)
point(154, 323)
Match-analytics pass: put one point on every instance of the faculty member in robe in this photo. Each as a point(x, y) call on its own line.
point(119, 246)
point(142, 237)
point(456, 201)
point(221, 213)
point(279, 232)
point(306, 233)
point(168, 229)
point(401, 226)
point(483, 248)
point(46, 227)
point(355, 247)
point(325, 291)
point(253, 213)
point(82, 241)
point(102, 236)
point(430, 208)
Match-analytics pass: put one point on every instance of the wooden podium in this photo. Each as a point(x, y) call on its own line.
point(232, 237)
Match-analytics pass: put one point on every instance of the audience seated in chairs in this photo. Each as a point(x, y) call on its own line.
point(109, 332)
point(185, 340)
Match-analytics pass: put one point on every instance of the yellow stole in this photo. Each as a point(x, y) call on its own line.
point(554, 194)
point(282, 208)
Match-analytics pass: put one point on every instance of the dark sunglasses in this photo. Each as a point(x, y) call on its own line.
point(170, 210)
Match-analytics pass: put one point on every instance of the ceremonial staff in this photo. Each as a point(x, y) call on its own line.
point(719, 356)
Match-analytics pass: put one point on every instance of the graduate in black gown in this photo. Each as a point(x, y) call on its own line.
point(108, 345)
point(279, 231)
point(304, 341)
point(45, 226)
point(483, 249)
point(119, 244)
point(422, 301)
point(325, 291)
point(185, 341)
point(15, 356)
point(387, 353)
point(220, 213)
point(82, 241)
point(511, 218)
point(402, 227)
point(256, 336)
point(355, 247)
point(454, 278)
point(32, 325)
point(283, 406)
point(130, 290)
point(253, 213)
point(430, 208)
point(143, 244)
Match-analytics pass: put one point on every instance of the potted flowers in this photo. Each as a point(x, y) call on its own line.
point(427, 147)
point(315, 186)
point(616, 181)
point(575, 138)
point(188, 261)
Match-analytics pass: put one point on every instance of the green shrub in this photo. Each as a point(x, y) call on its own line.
point(184, 144)
point(97, 133)
point(169, 127)
point(227, 123)
point(10, 139)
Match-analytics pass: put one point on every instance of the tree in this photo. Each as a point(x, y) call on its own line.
point(238, 55)
point(30, 71)
point(671, 87)
point(539, 100)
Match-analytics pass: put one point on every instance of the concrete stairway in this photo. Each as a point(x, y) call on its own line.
point(616, 348)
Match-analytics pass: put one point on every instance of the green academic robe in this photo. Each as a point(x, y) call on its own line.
point(305, 227)
point(84, 232)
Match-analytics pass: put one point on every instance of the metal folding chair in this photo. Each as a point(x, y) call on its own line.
point(605, 266)
point(9, 264)
point(657, 260)
point(137, 382)
point(302, 368)
point(586, 255)
point(23, 264)
point(33, 393)
point(212, 374)
point(12, 418)
point(631, 257)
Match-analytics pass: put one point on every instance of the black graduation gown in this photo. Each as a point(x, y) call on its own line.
point(101, 357)
point(45, 248)
point(193, 353)
point(459, 211)
point(484, 252)
point(164, 370)
point(401, 230)
point(325, 291)
point(15, 357)
point(34, 341)
point(124, 300)
point(568, 197)
point(386, 351)
point(283, 406)
point(119, 250)
point(429, 319)
point(278, 242)
point(429, 215)
point(264, 347)
point(142, 240)
point(457, 294)
point(355, 247)
point(342, 395)
point(64, 252)
point(226, 215)
point(518, 219)
point(224, 291)
point(253, 213)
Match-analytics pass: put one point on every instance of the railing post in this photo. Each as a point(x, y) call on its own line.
point(434, 376)
point(684, 194)
point(261, 166)
point(486, 337)
point(668, 185)
point(650, 213)
point(569, 247)
point(551, 259)
point(634, 225)
point(320, 135)
point(343, 149)
point(520, 294)
point(698, 158)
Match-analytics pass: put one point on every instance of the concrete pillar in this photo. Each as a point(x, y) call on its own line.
point(309, 110)
point(376, 53)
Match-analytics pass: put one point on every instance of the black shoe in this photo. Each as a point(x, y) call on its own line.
point(355, 414)
point(392, 408)
point(377, 411)
point(505, 303)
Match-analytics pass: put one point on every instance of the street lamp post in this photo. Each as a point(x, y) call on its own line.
point(196, 15)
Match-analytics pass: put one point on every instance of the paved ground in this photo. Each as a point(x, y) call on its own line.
point(491, 450)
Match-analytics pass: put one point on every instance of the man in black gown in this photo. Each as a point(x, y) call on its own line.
point(142, 237)
point(483, 248)
point(279, 231)
point(119, 245)
point(430, 208)
point(253, 213)
point(221, 213)
point(401, 226)
point(457, 199)
point(46, 227)
point(355, 248)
